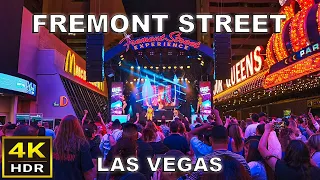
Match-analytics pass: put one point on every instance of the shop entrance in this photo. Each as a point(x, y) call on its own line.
point(3, 119)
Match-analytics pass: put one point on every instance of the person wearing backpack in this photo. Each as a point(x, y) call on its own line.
point(109, 140)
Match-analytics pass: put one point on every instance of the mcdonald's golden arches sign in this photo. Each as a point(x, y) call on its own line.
point(72, 68)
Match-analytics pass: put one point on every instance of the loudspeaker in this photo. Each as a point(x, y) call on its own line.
point(95, 57)
point(222, 47)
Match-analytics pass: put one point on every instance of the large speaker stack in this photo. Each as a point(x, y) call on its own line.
point(95, 57)
point(222, 46)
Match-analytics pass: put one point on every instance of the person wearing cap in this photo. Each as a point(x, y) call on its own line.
point(219, 142)
point(262, 118)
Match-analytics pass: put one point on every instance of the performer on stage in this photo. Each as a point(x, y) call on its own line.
point(199, 105)
point(124, 103)
point(149, 114)
point(175, 113)
point(160, 105)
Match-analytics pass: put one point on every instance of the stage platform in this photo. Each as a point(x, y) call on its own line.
point(122, 118)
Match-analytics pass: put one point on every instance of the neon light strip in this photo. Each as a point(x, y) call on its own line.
point(297, 70)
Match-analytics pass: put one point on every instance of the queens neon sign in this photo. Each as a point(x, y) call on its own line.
point(173, 40)
point(72, 68)
point(246, 67)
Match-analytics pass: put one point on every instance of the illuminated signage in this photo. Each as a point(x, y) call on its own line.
point(116, 98)
point(246, 67)
point(297, 70)
point(63, 102)
point(205, 88)
point(174, 40)
point(17, 84)
point(218, 87)
point(72, 68)
point(298, 56)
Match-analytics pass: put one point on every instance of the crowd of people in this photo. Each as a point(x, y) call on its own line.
point(259, 148)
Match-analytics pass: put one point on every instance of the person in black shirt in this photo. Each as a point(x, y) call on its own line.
point(71, 152)
point(175, 141)
point(124, 149)
point(144, 149)
point(296, 164)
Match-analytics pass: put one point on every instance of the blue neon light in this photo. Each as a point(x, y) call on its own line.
point(17, 84)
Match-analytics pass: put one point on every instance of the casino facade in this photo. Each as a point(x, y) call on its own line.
point(290, 78)
point(51, 81)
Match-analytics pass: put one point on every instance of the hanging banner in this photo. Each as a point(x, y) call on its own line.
point(116, 98)
point(205, 92)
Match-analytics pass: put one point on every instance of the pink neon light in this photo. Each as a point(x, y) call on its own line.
point(173, 37)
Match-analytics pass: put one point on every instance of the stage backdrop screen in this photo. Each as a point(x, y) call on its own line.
point(160, 95)
point(116, 94)
point(205, 91)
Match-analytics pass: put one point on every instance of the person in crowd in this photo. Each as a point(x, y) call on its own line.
point(219, 142)
point(150, 137)
point(89, 132)
point(314, 145)
point(152, 126)
point(314, 122)
point(84, 118)
point(197, 121)
point(302, 126)
point(285, 136)
point(175, 140)
point(296, 163)
point(124, 149)
point(71, 152)
point(160, 175)
point(9, 129)
point(210, 119)
point(293, 125)
point(236, 140)
point(186, 123)
point(165, 129)
point(182, 130)
point(263, 118)
point(232, 169)
point(41, 130)
point(251, 129)
point(253, 140)
point(110, 139)
point(48, 131)
point(145, 150)
point(101, 126)
point(199, 140)
point(243, 126)
point(258, 168)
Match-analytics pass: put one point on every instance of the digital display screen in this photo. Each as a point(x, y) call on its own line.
point(116, 101)
point(17, 84)
point(205, 92)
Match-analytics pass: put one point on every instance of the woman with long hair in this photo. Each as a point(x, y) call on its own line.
point(71, 152)
point(314, 145)
point(149, 137)
point(236, 140)
point(159, 135)
point(296, 163)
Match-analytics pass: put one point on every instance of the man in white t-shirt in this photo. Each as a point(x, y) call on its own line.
point(251, 129)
